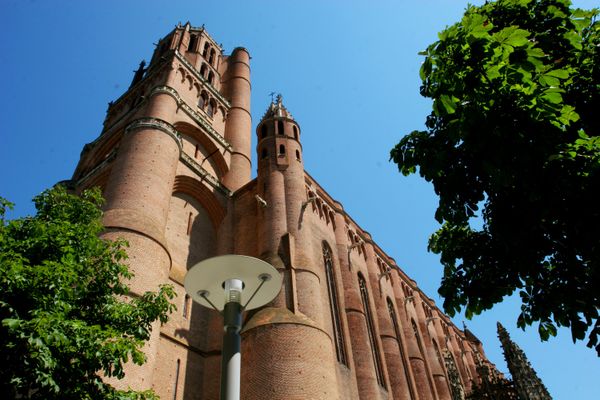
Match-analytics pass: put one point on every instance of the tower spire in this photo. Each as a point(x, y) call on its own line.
point(528, 385)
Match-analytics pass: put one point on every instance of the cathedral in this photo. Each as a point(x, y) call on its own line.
point(173, 161)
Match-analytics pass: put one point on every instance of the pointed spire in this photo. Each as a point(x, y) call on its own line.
point(276, 108)
point(528, 385)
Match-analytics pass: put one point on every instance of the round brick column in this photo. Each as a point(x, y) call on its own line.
point(138, 194)
point(238, 128)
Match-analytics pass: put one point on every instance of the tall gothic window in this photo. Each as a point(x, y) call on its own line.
point(336, 322)
point(364, 295)
point(422, 352)
point(394, 319)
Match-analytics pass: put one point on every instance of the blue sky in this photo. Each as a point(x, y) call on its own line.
point(348, 72)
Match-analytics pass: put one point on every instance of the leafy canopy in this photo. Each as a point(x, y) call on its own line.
point(65, 318)
point(513, 139)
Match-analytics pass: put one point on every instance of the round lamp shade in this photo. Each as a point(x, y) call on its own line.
point(206, 280)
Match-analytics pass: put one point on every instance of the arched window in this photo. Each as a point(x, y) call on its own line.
point(263, 131)
point(264, 154)
point(364, 295)
point(421, 351)
point(210, 110)
point(205, 51)
point(298, 155)
point(280, 127)
point(336, 322)
point(203, 70)
point(203, 100)
point(281, 150)
point(295, 132)
point(211, 78)
point(396, 324)
point(193, 43)
point(211, 59)
point(438, 354)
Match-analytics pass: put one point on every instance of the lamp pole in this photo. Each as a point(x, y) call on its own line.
point(236, 276)
point(231, 358)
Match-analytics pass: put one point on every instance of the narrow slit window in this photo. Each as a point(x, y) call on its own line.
point(334, 307)
point(189, 224)
point(210, 110)
point(176, 383)
point(263, 131)
point(295, 132)
point(186, 306)
point(298, 155)
point(211, 78)
point(364, 294)
point(212, 57)
point(281, 150)
point(205, 51)
point(280, 127)
point(203, 70)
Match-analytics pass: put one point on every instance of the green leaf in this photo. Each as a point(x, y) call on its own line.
point(449, 103)
point(511, 36)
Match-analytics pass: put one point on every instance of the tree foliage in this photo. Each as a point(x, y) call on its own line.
point(65, 315)
point(512, 148)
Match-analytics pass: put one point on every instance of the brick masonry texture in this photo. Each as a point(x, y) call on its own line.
point(173, 161)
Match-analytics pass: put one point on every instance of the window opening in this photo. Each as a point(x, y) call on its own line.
point(210, 110)
point(189, 224)
point(281, 150)
point(264, 154)
point(186, 306)
point(205, 51)
point(203, 70)
point(396, 325)
point(280, 127)
point(420, 346)
point(364, 294)
point(263, 131)
point(193, 42)
point(176, 383)
point(211, 59)
point(334, 307)
point(295, 132)
point(298, 155)
point(211, 78)
point(203, 100)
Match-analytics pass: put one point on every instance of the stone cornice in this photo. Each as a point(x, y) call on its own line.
point(193, 114)
point(111, 156)
point(204, 174)
point(159, 124)
point(197, 75)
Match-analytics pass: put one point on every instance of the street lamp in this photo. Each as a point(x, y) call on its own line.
point(231, 284)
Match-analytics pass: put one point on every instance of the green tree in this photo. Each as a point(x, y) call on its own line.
point(512, 148)
point(66, 319)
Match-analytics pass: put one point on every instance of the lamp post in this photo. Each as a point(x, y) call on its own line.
point(231, 284)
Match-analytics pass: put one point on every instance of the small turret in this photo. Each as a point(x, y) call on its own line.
point(279, 136)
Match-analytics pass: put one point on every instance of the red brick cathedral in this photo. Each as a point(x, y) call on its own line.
point(173, 161)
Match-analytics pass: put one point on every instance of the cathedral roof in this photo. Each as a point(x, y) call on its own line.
point(277, 110)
